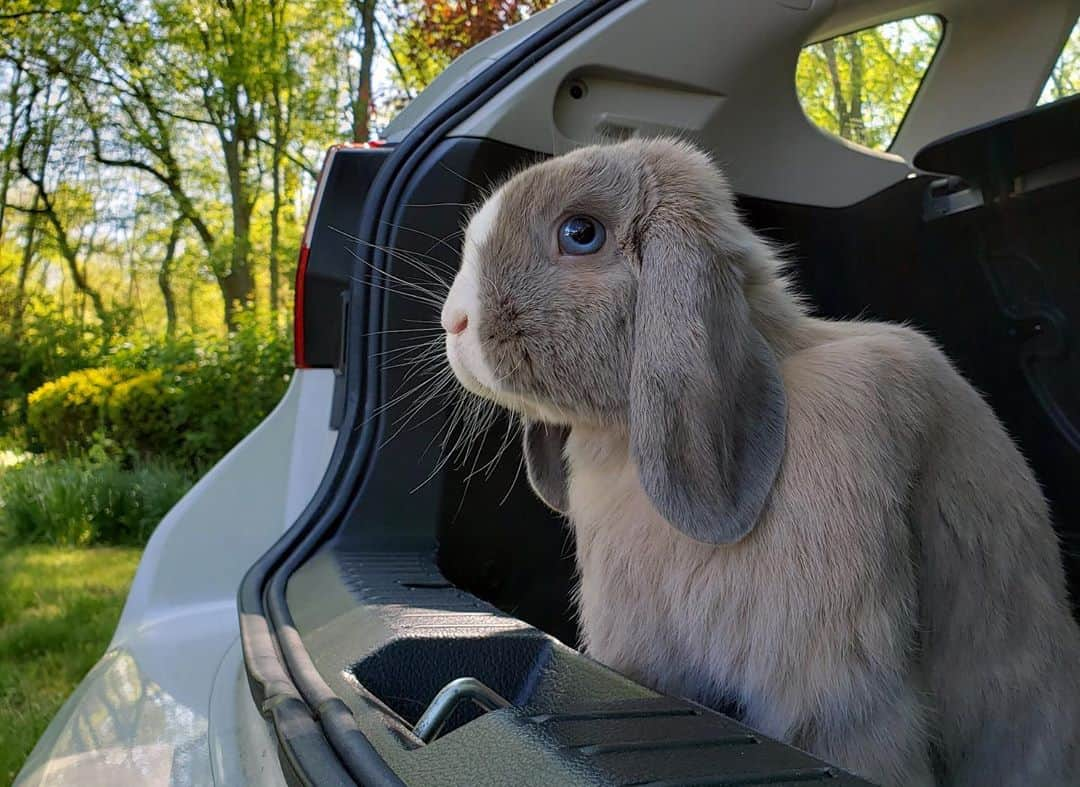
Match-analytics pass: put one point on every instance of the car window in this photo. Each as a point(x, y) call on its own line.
point(1064, 79)
point(859, 85)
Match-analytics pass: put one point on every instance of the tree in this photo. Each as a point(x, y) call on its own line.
point(171, 146)
point(240, 78)
point(281, 77)
point(165, 277)
point(860, 85)
point(305, 93)
point(432, 33)
point(15, 79)
point(361, 110)
point(226, 42)
point(123, 80)
point(1065, 77)
point(58, 204)
point(152, 80)
point(17, 106)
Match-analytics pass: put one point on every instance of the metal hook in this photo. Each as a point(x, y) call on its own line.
point(447, 700)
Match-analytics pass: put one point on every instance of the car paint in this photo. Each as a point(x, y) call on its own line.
point(168, 703)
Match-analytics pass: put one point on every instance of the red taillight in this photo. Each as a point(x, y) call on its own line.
point(298, 310)
point(299, 357)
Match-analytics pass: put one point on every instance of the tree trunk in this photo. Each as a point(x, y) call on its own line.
point(275, 241)
point(277, 107)
point(236, 289)
point(362, 102)
point(193, 314)
point(132, 279)
point(24, 271)
point(80, 305)
point(856, 124)
point(275, 204)
point(165, 280)
point(237, 286)
point(1060, 88)
point(9, 147)
point(839, 102)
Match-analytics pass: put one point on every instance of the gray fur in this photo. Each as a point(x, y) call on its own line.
point(888, 593)
point(707, 406)
point(543, 446)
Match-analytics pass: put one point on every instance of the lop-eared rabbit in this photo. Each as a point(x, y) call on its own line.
point(820, 520)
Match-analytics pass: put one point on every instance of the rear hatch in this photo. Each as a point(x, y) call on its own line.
point(370, 605)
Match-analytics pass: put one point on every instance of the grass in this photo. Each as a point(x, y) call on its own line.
point(58, 609)
point(78, 502)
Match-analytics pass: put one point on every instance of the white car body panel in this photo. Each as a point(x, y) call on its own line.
point(169, 704)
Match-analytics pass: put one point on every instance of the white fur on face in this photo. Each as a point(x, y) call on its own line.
point(463, 349)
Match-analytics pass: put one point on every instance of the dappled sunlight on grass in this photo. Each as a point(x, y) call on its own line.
point(58, 609)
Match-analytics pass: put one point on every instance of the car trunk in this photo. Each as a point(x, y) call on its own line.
point(408, 572)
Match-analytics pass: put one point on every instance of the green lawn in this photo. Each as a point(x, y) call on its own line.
point(58, 609)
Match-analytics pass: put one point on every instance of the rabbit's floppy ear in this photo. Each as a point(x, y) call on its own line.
point(543, 446)
point(707, 404)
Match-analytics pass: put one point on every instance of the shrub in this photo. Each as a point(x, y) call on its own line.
point(187, 401)
point(65, 414)
point(229, 389)
point(142, 415)
point(45, 346)
point(76, 502)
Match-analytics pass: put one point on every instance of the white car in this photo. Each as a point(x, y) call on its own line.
point(335, 604)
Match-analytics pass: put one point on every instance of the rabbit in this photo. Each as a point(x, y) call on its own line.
point(819, 520)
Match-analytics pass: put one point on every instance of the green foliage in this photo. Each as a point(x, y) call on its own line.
point(58, 609)
point(860, 85)
point(432, 33)
point(187, 401)
point(65, 414)
point(229, 389)
point(79, 502)
point(1065, 77)
point(47, 347)
point(142, 414)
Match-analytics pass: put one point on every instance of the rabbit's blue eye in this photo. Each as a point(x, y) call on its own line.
point(580, 235)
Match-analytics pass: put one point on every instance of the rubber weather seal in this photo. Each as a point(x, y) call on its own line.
point(319, 742)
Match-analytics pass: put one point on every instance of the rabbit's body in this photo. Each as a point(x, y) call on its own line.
point(821, 521)
point(819, 623)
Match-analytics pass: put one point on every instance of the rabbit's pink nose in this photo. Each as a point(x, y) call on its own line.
point(455, 321)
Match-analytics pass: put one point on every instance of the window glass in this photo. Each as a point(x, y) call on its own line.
point(1064, 79)
point(859, 85)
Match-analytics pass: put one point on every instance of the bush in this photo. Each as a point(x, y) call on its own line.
point(48, 346)
point(77, 502)
point(142, 415)
point(65, 414)
point(187, 402)
point(229, 389)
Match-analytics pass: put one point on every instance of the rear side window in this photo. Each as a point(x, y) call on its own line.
point(859, 85)
point(1064, 79)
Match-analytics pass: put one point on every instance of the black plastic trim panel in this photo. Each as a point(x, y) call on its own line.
point(389, 632)
point(991, 155)
point(331, 264)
